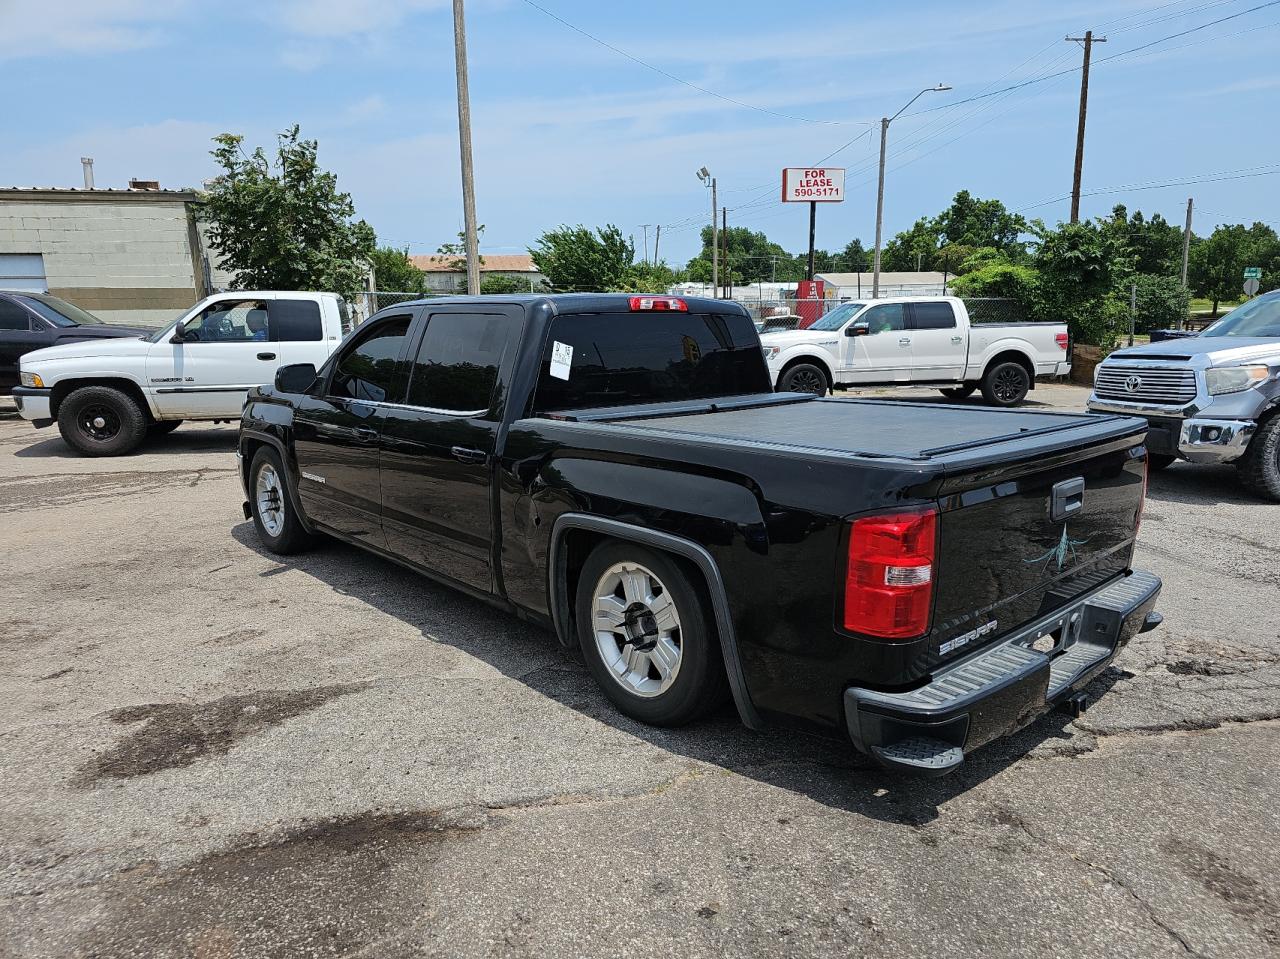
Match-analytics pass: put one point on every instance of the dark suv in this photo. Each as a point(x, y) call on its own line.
point(32, 321)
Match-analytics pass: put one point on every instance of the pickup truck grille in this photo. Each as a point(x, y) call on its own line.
point(1144, 384)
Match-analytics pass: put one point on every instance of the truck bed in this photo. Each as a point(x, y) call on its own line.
point(874, 429)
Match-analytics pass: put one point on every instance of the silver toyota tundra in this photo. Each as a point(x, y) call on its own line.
point(1212, 398)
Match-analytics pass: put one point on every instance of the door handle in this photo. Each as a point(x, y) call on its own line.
point(266, 356)
point(957, 339)
point(366, 433)
point(905, 341)
point(464, 455)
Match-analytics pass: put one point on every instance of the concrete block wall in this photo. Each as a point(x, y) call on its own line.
point(126, 259)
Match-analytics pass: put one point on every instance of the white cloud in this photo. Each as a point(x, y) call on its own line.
point(31, 28)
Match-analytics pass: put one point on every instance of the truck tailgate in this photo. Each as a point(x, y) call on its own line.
point(1017, 543)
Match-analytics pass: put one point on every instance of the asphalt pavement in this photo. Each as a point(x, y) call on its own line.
point(209, 751)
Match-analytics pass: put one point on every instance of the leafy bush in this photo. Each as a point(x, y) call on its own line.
point(1162, 302)
point(999, 279)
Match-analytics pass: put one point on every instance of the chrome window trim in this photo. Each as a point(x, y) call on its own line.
point(415, 409)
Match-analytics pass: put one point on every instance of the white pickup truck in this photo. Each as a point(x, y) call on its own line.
point(917, 341)
point(107, 395)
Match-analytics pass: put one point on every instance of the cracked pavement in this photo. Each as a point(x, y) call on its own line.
point(206, 751)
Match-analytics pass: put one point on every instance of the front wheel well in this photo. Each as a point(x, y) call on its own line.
point(1016, 356)
point(64, 388)
point(811, 361)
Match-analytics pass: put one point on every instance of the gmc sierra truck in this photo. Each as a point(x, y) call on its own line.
point(1211, 398)
point(916, 579)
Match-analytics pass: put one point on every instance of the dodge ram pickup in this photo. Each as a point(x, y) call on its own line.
point(916, 579)
point(108, 395)
point(918, 341)
point(1211, 398)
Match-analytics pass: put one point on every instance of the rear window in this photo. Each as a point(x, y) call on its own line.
point(620, 359)
point(295, 321)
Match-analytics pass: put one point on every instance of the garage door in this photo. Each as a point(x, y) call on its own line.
point(23, 271)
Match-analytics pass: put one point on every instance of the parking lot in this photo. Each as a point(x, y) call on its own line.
point(207, 751)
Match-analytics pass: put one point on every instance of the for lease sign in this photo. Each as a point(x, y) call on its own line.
point(813, 185)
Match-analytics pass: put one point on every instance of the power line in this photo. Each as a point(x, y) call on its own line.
point(688, 83)
point(1245, 173)
point(1116, 56)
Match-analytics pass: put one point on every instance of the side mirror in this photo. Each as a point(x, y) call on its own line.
point(295, 378)
point(857, 329)
point(177, 334)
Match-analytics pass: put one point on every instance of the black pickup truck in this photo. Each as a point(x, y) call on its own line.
point(919, 579)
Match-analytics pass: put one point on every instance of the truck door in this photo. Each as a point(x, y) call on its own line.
point(938, 347)
point(20, 333)
point(883, 353)
point(230, 346)
point(336, 431)
point(438, 448)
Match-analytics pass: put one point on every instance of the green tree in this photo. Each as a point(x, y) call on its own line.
point(576, 258)
point(854, 258)
point(284, 225)
point(1080, 266)
point(1162, 302)
point(751, 257)
point(1000, 279)
point(912, 249)
point(455, 254)
point(1218, 263)
point(649, 278)
point(394, 271)
point(972, 222)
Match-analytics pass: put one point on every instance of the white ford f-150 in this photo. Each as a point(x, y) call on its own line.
point(914, 341)
point(107, 395)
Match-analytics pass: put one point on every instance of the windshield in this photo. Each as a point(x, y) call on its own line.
point(58, 312)
point(1260, 317)
point(159, 334)
point(837, 318)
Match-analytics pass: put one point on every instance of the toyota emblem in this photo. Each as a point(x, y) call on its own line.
point(1133, 383)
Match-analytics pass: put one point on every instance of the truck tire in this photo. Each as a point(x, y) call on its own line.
point(102, 421)
point(804, 378)
point(1259, 468)
point(278, 526)
point(1006, 384)
point(630, 596)
point(1159, 461)
point(161, 427)
point(958, 392)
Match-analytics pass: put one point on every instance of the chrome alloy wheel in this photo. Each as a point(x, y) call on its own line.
point(268, 493)
point(637, 629)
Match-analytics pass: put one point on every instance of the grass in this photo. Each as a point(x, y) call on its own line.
point(1201, 305)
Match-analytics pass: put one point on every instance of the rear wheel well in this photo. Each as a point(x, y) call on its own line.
point(577, 544)
point(811, 361)
point(1016, 356)
point(64, 388)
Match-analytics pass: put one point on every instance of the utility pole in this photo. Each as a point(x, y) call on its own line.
point(715, 243)
point(646, 243)
point(728, 270)
point(1186, 242)
point(1088, 40)
point(656, 237)
point(471, 237)
point(1186, 248)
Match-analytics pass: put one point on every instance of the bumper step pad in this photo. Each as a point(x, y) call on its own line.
point(920, 755)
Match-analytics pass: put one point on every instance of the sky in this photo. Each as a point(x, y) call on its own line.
point(571, 129)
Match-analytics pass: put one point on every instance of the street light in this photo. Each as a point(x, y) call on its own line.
point(709, 181)
point(884, 133)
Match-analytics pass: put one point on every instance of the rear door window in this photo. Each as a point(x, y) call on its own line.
point(295, 321)
point(457, 365)
point(933, 316)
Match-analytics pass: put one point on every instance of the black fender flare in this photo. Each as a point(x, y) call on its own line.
point(278, 445)
point(667, 542)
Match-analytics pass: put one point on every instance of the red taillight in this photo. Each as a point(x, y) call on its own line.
point(669, 303)
point(1062, 339)
point(888, 587)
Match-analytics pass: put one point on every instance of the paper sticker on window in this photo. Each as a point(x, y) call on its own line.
point(561, 360)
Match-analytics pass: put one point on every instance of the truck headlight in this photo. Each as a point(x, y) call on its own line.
point(1233, 379)
point(31, 380)
point(770, 352)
